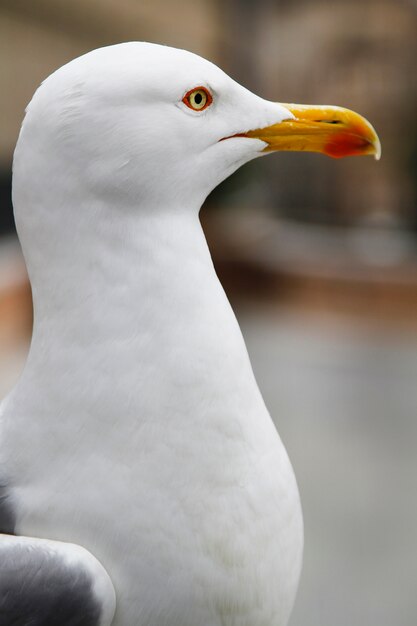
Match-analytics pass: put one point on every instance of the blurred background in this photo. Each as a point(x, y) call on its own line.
point(318, 257)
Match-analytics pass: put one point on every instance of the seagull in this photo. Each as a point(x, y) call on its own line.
point(142, 481)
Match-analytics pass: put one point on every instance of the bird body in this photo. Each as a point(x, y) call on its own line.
point(137, 430)
point(161, 458)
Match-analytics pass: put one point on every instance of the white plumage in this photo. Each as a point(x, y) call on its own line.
point(137, 430)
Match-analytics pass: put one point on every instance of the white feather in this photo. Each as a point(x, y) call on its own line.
point(137, 429)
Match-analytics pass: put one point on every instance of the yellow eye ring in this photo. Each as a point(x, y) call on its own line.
point(198, 99)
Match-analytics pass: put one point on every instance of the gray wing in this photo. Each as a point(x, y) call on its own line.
point(50, 583)
point(7, 518)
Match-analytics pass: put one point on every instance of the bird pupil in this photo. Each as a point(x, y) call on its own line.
point(198, 98)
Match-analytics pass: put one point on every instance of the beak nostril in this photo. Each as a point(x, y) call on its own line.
point(328, 121)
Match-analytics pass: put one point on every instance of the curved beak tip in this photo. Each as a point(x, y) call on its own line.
point(378, 148)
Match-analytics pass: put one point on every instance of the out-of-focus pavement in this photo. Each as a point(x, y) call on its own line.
point(344, 400)
point(345, 403)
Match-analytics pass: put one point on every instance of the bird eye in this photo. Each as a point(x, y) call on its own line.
point(198, 99)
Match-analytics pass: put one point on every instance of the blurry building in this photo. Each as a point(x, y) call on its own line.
point(356, 54)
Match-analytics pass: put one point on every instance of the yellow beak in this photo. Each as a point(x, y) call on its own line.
point(330, 130)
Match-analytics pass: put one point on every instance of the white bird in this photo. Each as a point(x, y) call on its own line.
point(142, 482)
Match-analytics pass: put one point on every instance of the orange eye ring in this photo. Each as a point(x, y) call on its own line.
point(198, 99)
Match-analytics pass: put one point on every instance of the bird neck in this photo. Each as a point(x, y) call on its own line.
point(134, 304)
point(114, 273)
point(105, 282)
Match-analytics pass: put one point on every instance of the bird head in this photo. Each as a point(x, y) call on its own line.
point(153, 126)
